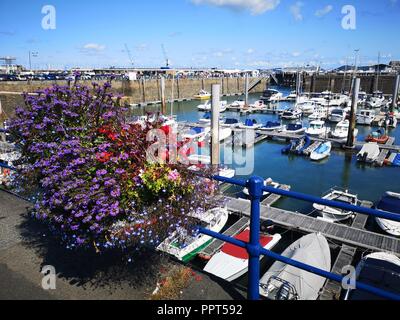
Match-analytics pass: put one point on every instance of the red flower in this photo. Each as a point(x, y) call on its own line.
point(112, 136)
point(103, 156)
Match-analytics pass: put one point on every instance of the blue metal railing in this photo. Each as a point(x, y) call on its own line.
point(256, 189)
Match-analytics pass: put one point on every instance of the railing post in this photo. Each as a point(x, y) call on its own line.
point(255, 185)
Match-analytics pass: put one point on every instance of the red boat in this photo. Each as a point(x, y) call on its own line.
point(378, 136)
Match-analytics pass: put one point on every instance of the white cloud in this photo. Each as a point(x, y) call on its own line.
point(250, 51)
point(324, 11)
point(94, 47)
point(295, 10)
point(296, 54)
point(256, 7)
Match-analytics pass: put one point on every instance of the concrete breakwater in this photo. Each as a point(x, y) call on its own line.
point(134, 92)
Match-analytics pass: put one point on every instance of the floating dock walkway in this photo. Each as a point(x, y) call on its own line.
point(384, 153)
point(337, 232)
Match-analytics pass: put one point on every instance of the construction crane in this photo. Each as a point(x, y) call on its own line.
point(165, 57)
point(129, 54)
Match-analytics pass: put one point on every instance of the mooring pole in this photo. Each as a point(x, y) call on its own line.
point(215, 110)
point(354, 104)
point(163, 102)
point(246, 90)
point(395, 94)
point(254, 186)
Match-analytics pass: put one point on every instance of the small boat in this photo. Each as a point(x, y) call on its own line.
point(378, 136)
point(297, 146)
point(335, 214)
point(259, 104)
point(292, 114)
point(230, 123)
point(185, 246)
point(337, 115)
point(232, 262)
point(391, 120)
point(201, 161)
point(376, 101)
point(238, 104)
point(307, 107)
point(196, 133)
point(394, 159)
point(390, 202)
point(369, 153)
point(272, 125)
point(271, 95)
point(207, 106)
point(380, 270)
point(342, 130)
point(267, 183)
point(226, 172)
point(294, 128)
point(320, 113)
point(284, 282)
point(365, 117)
point(317, 128)
point(322, 152)
point(203, 95)
point(250, 124)
point(291, 97)
point(207, 118)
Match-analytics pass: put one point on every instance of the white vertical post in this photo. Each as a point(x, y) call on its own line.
point(246, 90)
point(215, 111)
point(163, 103)
point(354, 104)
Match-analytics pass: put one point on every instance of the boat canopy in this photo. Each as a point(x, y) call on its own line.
point(272, 124)
point(241, 253)
point(198, 129)
point(389, 204)
point(250, 122)
point(322, 148)
point(231, 121)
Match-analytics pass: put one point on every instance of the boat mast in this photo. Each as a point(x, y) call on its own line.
point(378, 71)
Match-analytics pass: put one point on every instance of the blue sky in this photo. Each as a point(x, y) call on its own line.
point(199, 33)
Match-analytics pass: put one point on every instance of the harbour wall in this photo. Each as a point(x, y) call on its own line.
point(339, 83)
point(133, 92)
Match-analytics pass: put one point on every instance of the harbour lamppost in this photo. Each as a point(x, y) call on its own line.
point(33, 55)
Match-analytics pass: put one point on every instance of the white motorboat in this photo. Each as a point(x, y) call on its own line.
point(259, 104)
point(207, 106)
point(196, 133)
point(342, 130)
point(226, 172)
point(292, 114)
point(202, 160)
point(185, 246)
point(380, 270)
point(272, 95)
point(207, 119)
point(365, 117)
point(335, 214)
point(307, 107)
point(284, 282)
point(320, 113)
point(337, 115)
point(230, 123)
point(390, 121)
point(204, 106)
point(272, 126)
point(250, 124)
point(238, 104)
point(317, 128)
point(232, 262)
point(321, 152)
point(369, 152)
point(339, 100)
point(376, 101)
point(267, 183)
point(295, 128)
point(292, 96)
point(390, 202)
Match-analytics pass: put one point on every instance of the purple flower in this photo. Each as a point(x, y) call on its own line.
point(101, 172)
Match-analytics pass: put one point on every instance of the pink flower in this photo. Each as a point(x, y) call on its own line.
point(174, 175)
